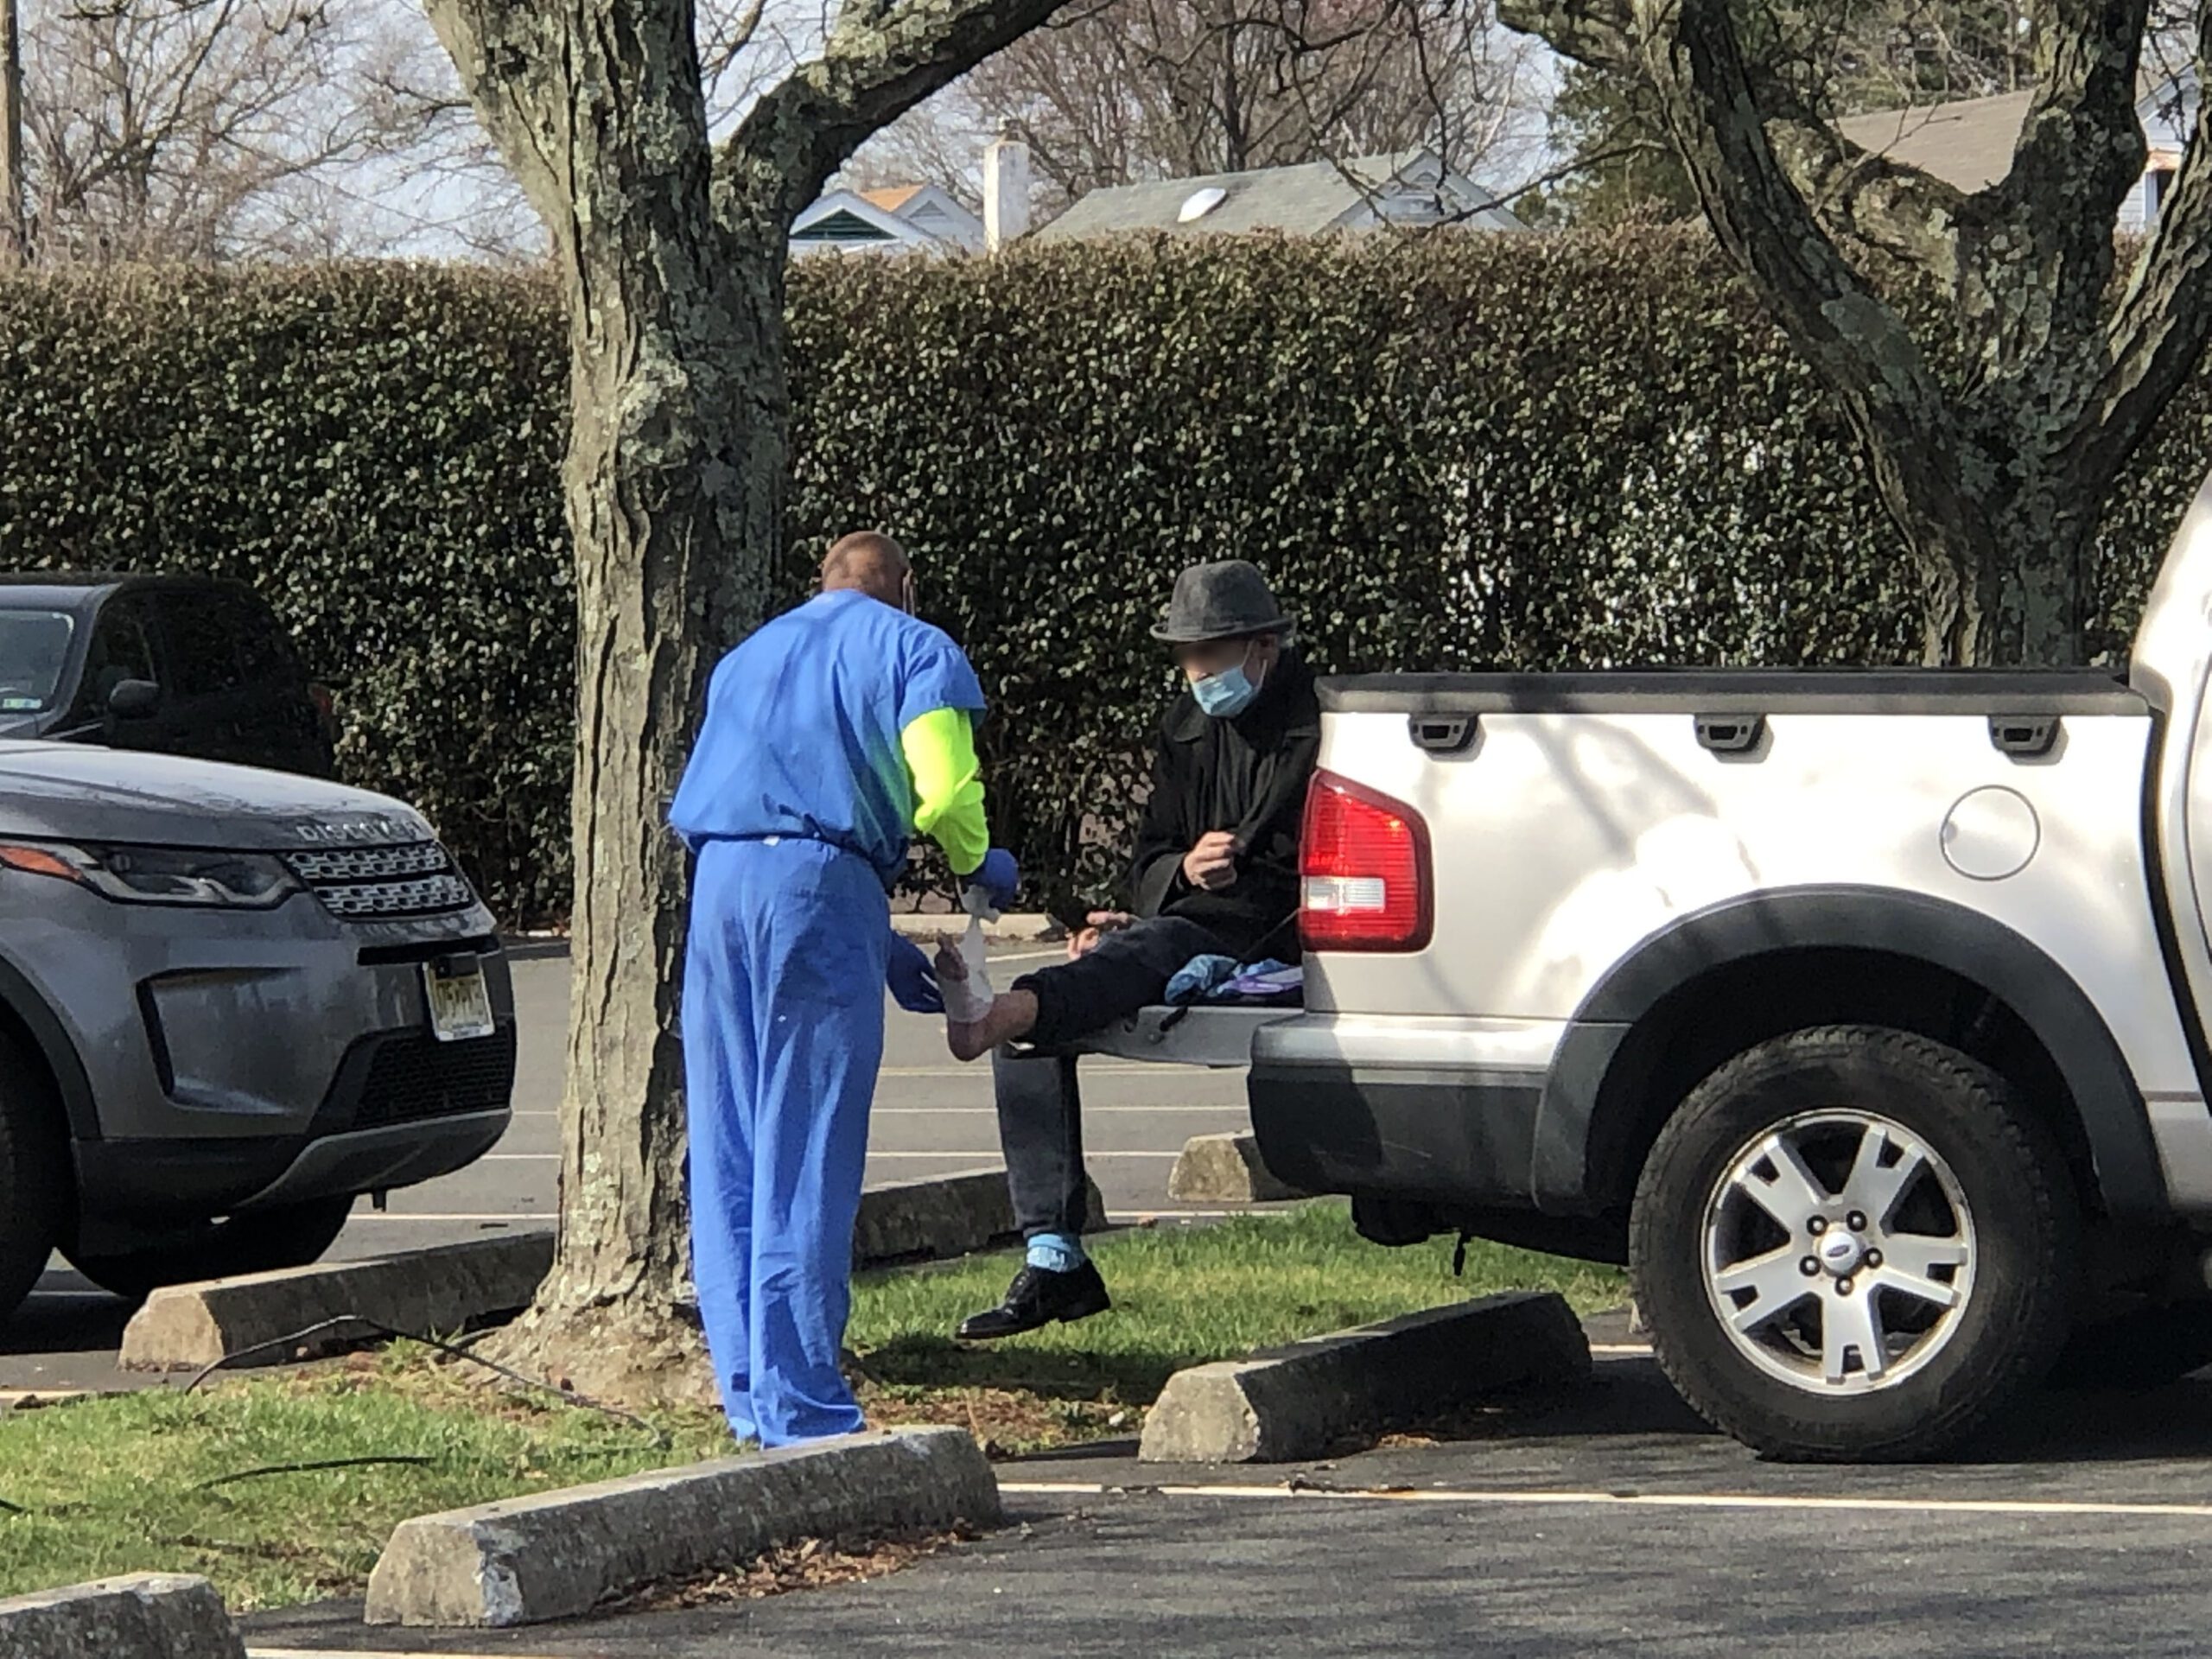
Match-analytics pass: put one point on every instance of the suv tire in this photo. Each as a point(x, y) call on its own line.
point(262, 1241)
point(1853, 1182)
point(34, 1173)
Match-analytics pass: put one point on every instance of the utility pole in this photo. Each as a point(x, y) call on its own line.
point(14, 245)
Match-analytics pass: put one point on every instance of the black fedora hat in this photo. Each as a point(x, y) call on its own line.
point(1227, 599)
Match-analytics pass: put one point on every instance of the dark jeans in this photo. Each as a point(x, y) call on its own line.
point(1041, 1108)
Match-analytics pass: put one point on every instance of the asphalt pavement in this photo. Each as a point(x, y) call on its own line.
point(932, 1116)
point(1607, 1519)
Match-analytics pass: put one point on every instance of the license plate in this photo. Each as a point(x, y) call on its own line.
point(460, 1004)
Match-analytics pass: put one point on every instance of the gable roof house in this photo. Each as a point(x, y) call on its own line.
point(1413, 187)
point(901, 219)
point(1969, 143)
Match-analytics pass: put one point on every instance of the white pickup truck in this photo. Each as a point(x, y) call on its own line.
point(1862, 1015)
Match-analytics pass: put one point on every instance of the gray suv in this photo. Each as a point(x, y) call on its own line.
point(230, 1001)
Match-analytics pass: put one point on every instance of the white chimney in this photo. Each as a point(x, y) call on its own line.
point(1006, 192)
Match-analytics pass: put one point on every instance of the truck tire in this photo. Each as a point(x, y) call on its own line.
point(34, 1173)
point(263, 1241)
point(2148, 1347)
point(1853, 1244)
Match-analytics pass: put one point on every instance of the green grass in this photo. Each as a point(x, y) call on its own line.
point(1182, 1296)
point(123, 1484)
point(149, 1482)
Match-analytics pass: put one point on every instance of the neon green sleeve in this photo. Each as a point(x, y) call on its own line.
point(940, 750)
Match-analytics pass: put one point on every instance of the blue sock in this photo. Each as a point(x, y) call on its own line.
point(1056, 1252)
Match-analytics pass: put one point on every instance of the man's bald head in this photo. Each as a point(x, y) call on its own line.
point(871, 562)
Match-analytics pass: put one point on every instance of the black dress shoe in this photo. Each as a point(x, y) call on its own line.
point(1038, 1298)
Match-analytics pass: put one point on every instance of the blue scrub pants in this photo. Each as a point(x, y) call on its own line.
point(782, 1032)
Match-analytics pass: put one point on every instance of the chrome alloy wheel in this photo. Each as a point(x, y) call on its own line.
point(1838, 1252)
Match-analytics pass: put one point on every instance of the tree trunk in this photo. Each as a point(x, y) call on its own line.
point(2002, 551)
point(673, 481)
point(1995, 467)
point(674, 495)
point(2011, 597)
point(15, 243)
point(673, 264)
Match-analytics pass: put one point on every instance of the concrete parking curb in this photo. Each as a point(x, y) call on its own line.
point(1010, 929)
point(923, 1221)
point(151, 1615)
point(563, 1553)
point(944, 1217)
point(1300, 1401)
point(1226, 1169)
point(449, 1286)
point(440, 1289)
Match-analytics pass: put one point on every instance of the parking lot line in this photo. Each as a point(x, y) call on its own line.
point(1100, 1069)
point(1629, 1500)
point(1222, 1109)
point(448, 1215)
point(1089, 1156)
point(1117, 1217)
point(1089, 1112)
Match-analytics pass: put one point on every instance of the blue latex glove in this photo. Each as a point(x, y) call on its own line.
point(912, 978)
point(998, 876)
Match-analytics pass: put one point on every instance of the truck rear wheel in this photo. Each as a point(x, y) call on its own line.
point(261, 1241)
point(1853, 1244)
point(34, 1175)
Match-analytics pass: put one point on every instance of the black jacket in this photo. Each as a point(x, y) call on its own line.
point(1248, 775)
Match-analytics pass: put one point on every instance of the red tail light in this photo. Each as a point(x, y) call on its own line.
point(1367, 875)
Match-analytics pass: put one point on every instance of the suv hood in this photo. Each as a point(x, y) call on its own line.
point(69, 791)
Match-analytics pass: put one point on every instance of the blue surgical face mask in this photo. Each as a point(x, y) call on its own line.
point(1226, 694)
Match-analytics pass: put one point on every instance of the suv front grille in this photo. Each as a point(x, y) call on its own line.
point(369, 863)
point(374, 883)
point(415, 1077)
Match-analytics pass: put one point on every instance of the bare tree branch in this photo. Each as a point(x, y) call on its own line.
point(194, 129)
point(881, 58)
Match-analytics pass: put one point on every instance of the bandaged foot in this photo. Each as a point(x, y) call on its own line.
point(975, 1025)
point(963, 975)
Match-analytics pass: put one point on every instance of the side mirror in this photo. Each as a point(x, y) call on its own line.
point(135, 700)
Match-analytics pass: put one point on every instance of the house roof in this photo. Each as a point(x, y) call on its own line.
point(1301, 200)
point(904, 216)
point(1969, 143)
point(891, 197)
point(843, 218)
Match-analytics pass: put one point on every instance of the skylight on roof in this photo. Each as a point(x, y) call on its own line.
point(1199, 203)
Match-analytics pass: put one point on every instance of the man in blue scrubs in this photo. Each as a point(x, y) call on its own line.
point(832, 736)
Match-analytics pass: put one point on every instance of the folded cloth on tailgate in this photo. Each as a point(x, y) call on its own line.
point(1221, 979)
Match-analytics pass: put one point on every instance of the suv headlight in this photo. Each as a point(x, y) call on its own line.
point(160, 875)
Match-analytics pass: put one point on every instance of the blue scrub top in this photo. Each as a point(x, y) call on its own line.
point(801, 736)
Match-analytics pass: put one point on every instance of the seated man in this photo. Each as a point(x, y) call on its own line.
point(1215, 873)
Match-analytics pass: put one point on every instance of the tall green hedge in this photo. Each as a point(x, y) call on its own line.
point(1457, 452)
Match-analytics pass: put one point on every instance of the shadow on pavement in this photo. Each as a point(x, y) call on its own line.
point(2103, 1425)
point(1631, 1398)
point(1624, 1397)
point(918, 1360)
point(65, 1315)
